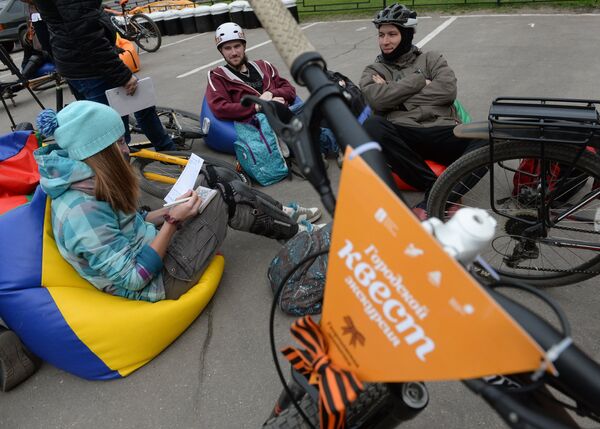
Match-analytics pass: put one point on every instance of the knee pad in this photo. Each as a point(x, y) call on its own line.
point(216, 174)
point(249, 212)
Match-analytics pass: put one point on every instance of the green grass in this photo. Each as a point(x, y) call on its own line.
point(322, 9)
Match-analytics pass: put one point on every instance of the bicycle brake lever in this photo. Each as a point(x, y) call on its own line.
point(273, 114)
point(294, 132)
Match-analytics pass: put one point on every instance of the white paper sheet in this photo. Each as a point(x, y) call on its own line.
point(187, 179)
point(124, 104)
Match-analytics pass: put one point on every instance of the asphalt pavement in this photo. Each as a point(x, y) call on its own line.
point(219, 373)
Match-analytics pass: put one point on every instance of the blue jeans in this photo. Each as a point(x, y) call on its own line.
point(147, 119)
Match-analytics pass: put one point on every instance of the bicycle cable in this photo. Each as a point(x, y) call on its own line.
point(276, 296)
point(560, 314)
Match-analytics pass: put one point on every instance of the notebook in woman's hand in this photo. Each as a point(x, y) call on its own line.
point(206, 195)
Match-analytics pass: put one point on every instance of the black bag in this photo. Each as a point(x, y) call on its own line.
point(357, 103)
point(303, 292)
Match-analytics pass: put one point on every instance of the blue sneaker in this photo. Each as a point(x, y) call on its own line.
point(299, 213)
point(304, 225)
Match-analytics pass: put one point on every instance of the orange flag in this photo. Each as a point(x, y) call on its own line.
point(397, 307)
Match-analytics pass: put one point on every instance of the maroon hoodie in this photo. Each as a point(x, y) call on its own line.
point(225, 91)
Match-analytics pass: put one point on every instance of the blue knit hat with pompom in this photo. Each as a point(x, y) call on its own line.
point(83, 128)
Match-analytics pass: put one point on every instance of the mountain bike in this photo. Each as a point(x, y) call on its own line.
point(183, 127)
point(158, 171)
point(522, 401)
point(137, 27)
point(540, 179)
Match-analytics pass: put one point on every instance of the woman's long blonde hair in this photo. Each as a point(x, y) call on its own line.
point(116, 181)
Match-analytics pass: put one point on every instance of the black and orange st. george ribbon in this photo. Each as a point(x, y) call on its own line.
point(338, 388)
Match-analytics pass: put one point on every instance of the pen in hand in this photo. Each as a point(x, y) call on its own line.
point(177, 202)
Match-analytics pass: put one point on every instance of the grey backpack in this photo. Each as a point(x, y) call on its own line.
point(303, 292)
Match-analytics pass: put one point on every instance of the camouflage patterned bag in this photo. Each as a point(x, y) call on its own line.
point(303, 292)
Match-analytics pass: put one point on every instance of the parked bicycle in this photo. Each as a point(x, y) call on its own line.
point(183, 127)
point(523, 401)
point(540, 179)
point(137, 27)
point(158, 171)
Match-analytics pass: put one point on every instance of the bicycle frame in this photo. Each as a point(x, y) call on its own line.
point(579, 375)
point(157, 156)
point(122, 28)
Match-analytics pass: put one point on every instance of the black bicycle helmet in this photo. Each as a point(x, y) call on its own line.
point(396, 14)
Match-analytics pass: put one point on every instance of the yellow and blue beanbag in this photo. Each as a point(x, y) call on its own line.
point(66, 321)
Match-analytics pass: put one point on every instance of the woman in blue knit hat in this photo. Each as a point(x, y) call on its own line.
point(99, 231)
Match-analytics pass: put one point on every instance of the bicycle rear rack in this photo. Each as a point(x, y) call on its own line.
point(544, 121)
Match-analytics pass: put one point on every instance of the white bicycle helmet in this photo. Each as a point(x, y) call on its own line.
point(227, 32)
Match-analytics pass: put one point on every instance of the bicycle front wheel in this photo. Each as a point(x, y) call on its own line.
point(367, 403)
point(157, 177)
point(148, 34)
point(179, 124)
point(558, 256)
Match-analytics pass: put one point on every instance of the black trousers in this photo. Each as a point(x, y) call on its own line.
point(407, 148)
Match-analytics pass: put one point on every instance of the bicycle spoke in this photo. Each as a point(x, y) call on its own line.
point(526, 245)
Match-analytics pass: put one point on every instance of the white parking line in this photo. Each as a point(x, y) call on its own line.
point(512, 15)
point(175, 43)
point(205, 66)
point(420, 44)
point(435, 32)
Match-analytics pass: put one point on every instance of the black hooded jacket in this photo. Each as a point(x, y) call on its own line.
point(83, 40)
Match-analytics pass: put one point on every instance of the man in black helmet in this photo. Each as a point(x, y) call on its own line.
point(412, 94)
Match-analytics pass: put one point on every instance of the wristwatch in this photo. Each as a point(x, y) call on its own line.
point(170, 219)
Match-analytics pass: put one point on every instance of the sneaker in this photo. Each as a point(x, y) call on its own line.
point(299, 213)
point(16, 362)
point(304, 225)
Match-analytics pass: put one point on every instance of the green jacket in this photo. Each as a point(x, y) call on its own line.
point(405, 98)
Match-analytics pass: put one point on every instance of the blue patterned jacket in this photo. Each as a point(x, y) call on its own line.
point(109, 249)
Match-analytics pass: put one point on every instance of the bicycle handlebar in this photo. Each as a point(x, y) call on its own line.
point(579, 375)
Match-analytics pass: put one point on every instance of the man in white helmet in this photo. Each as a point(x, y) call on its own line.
point(229, 83)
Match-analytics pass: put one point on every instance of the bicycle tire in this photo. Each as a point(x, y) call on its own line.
point(469, 174)
point(160, 190)
point(148, 37)
point(119, 27)
point(374, 396)
point(189, 124)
